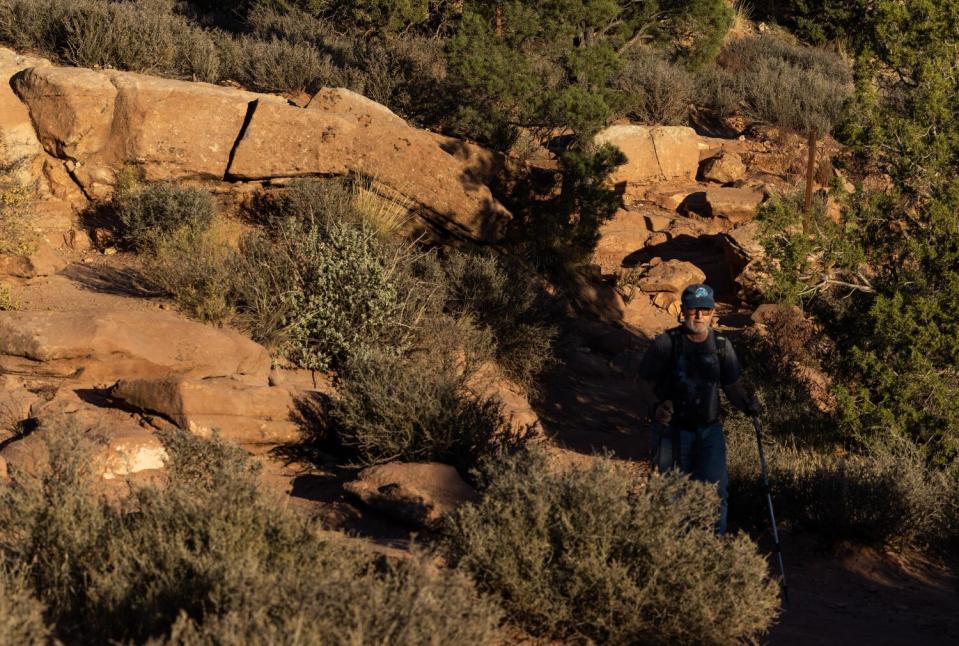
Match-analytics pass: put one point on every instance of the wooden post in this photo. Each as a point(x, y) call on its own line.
point(499, 20)
point(810, 170)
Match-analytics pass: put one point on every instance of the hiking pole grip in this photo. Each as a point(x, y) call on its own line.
point(777, 546)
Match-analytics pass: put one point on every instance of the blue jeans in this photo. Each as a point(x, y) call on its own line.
point(702, 454)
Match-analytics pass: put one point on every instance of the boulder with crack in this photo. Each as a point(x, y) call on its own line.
point(416, 493)
point(236, 412)
point(99, 347)
point(654, 154)
point(341, 132)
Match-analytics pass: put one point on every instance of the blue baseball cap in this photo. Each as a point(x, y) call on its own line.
point(698, 296)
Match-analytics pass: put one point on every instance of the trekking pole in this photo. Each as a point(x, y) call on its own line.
point(777, 546)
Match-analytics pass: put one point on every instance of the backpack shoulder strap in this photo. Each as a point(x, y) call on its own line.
point(720, 341)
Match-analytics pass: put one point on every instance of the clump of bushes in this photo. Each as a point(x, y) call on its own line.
point(591, 554)
point(419, 407)
point(656, 91)
point(209, 559)
point(885, 499)
point(145, 212)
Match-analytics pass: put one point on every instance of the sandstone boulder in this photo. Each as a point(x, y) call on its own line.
point(625, 233)
point(678, 196)
point(121, 445)
point(724, 168)
point(71, 108)
point(734, 204)
point(238, 412)
point(417, 493)
point(654, 154)
point(341, 133)
point(102, 121)
point(671, 276)
point(744, 255)
point(100, 347)
point(45, 261)
point(19, 147)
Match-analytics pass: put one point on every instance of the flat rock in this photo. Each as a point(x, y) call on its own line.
point(724, 168)
point(417, 493)
point(238, 412)
point(101, 347)
point(671, 276)
point(490, 382)
point(341, 132)
point(734, 204)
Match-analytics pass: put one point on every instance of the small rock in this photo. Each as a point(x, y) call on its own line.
point(668, 301)
point(657, 239)
point(416, 493)
point(109, 251)
point(724, 168)
point(78, 240)
point(734, 204)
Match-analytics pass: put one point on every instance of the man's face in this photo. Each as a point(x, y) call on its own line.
point(698, 319)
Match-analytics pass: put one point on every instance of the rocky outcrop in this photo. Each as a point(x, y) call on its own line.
point(44, 261)
point(100, 347)
point(416, 493)
point(237, 412)
point(622, 235)
point(341, 132)
point(671, 276)
point(101, 121)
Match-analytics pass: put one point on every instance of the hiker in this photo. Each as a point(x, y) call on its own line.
point(680, 376)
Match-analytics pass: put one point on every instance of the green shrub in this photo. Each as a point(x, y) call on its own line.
point(655, 90)
point(21, 615)
point(889, 499)
point(502, 298)
point(196, 269)
point(146, 212)
point(275, 65)
point(419, 407)
point(209, 559)
point(801, 89)
point(318, 291)
point(590, 555)
point(142, 36)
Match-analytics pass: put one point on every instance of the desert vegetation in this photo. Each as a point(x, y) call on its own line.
point(207, 558)
point(857, 370)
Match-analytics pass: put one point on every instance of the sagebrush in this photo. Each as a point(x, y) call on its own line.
point(594, 555)
point(210, 559)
